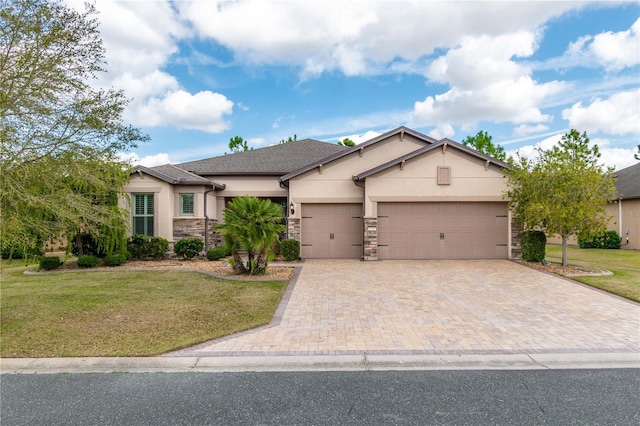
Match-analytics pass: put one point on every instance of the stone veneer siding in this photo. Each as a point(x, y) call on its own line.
point(293, 228)
point(195, 228)
point(371, 238)
point(516, 249)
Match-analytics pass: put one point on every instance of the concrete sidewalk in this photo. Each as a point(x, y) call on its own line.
point(361, 362)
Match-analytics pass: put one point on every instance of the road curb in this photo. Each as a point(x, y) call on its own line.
point(361, 362)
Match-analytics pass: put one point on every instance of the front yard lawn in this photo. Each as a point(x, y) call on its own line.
point(625, 265)
point(125, 313)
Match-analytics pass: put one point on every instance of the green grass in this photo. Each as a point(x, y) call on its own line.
point(625, 265)
point(125, 313)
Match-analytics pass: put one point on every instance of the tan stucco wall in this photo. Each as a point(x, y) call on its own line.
point(163, 199)
point(626, 215)
point(417, 181)
point(335, 183)
point(622, 216)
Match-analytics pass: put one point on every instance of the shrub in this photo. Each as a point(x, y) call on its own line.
point(290, 249)
point(88, 261)
point(533, 245)
point(217, 253)
point(608, 240)
point(158, 247)
point(188, 248)
point(50, 262)
point(141, 247)
point(115, 259)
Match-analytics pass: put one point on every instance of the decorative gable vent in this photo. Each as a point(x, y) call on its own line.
point(444, 175)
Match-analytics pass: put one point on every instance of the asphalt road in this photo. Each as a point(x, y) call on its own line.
point(603, 396)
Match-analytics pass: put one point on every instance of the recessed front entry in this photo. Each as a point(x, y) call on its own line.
point(331, 231)
point(442, 231)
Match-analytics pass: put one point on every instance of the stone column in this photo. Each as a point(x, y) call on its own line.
point(516, 249)
point(293, 228)
point(371, 238)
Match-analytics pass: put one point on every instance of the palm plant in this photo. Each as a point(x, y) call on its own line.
point(251, 225)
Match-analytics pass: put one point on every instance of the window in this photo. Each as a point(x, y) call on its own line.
point(142, 211)
point(186, 204)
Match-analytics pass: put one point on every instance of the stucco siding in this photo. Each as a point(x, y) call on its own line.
point(163, 202)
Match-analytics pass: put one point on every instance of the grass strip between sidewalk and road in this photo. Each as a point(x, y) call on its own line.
point(125, 313)
point(624, 264)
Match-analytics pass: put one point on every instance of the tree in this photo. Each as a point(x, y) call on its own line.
point(346, 142)
point(563, 191)
point(251, 225)
point(237, 144)
point(60, 135)
point(483, 143)
point(290, 139)
point(637, 154)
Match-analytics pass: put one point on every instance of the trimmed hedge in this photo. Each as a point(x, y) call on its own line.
point(88, 261)
point(290, 249)
point(141, 247)
point(115, 259)
point(608, 240)
point(217, 253)
point(50, 262)
point(188, 248)
point(533, 245)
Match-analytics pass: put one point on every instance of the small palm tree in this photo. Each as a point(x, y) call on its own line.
point(252, 225)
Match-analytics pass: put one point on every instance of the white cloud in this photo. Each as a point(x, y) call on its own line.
point(140, 39)
point(618, 158)
point(526, 129)
point(148, 161)
point(618, 50)
point(617, 115)
point(358, 139)
point(442, 131)
point(358, 37)
point(203, 111)
point(256, 142)
point(486, 84)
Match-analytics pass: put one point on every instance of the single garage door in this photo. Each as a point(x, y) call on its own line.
point(442, 231)
point(331, 231)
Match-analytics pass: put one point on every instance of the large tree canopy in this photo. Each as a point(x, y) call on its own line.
point(59, 134)
point(563, 191)
point(483, 142)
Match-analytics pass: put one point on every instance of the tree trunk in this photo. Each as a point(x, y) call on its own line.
point(564, 250)
point(79, 244)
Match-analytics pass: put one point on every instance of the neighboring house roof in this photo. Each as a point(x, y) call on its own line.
point(176, 176)
point(628, 182)
point(400, 130)
point(272, 160)
point(443, 144)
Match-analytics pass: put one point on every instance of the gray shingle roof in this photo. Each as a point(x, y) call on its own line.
point(628, 182)
point(272, 160)
point(176, 176)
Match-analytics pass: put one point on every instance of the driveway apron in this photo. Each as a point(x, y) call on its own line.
point(436, 307)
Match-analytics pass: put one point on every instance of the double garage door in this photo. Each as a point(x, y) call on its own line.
point(407, 231)
point(442, 231)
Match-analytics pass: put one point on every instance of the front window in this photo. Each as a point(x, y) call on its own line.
point(186, 204)
point(143, 214)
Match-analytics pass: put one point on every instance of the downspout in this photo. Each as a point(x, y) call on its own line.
point(620, 217)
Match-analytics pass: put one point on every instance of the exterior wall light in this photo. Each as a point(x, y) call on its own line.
point(291, 208)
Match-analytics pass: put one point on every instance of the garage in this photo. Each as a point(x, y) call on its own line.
point(331, 231)
point(454, 230)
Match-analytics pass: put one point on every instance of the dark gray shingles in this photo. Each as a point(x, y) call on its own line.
point(628, 182)
point(174, 175)
point(275, 160)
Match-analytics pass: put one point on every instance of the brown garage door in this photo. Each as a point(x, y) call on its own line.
point(331, 231)
point(442, 231)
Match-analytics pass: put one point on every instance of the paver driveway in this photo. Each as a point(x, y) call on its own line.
point(433, 307)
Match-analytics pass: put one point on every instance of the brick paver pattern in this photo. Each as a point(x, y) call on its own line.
point(433, 307)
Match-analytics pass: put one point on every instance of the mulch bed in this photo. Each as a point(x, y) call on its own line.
point(566, 271)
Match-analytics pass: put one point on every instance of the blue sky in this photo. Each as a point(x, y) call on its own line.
point(200, 72)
